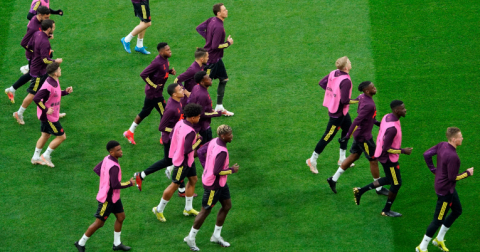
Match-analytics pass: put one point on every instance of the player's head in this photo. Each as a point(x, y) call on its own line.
point(192, 112)
point(164, 50)
point(220, 11)
point(368, 88)
point(54, 69)
point(43, 12)
point(202, 55)
point(48, 25)
point(114, 148)
point(225, 133)
point(343, 64)
point(398, 108)
point(454, 136)
point(203, 79)
point(175, 90)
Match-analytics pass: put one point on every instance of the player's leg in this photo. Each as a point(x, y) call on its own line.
point(20, 82)
point(359, 191)
point(345, 126)
point(60, 136)
point(221, 216)
point(190, 190)
point(456, 207)
point(38, 149)
point(140, 47)
point(147, 108)
point(120, 217)
point(178, 174)
point(209, 199)
point(332, 128)
point(220, 72)
point(165, 162)
point(142, 11)
point(103, 211)
point(395, 184)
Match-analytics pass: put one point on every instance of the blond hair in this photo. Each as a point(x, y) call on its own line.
point(223, 129)
point(452, 132)
point(341, 63)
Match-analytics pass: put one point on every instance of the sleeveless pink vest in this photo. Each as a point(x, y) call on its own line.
point(42, 3)
point(105, 181)
point(397, 141)
point(177, 144)
point(333, 94)
point(52, 102)
point(208, 178)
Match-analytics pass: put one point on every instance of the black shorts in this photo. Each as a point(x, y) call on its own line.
point(180, 173)
point(52, 128)
point(367, 147)
point(150, 104)
point(392, 172)
point(206, 135)
point(142, 11)
point(444, 203)
point(36, 83)
point(211, 197)
point(105, 209)
point(217, 71)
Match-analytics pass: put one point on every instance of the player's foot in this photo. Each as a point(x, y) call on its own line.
point(219, 240)
point(141, 50)
point(37, 161)
point(383, 191)
point(182, 194)
point(191, 244)
point(48, 161)
point(332, 184)
point(227, 113)
point(160, 216)
point(121, 247)
point(126, 45)
point(417, 249)
point(391, 214)
point(339, 162)
point(139, 180)
point(357, 195)
point(129, 136)
point(62, 115)
point(190, 212)
point(10, 94)
point(168, 172)
point(79, 247)
point(161, 142)
point(313, 166)
point(19, 118)
point(440, 244)
point(24, 69)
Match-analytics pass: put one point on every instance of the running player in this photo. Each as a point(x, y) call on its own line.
point(186, 79)
point(388, 149)
point(213, 32)
point(183, 144)
point(215, 159)
point(141, 9)
point(37, 4)
point(362, 136)
point(108, 197)
point(338, 91)
point(48, 106)
point(155, 76)
point(446, 177)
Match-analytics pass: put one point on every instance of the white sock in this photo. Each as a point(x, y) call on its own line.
point(193, 233)
point(36, 154)
point(219, 107)
point(116, 238)
point(129, 37)
point(425, 241)
point(314, 157)
point(188, 203)
point(337, 174)
point(139, 42)
point(11, 89)
point(83, 240)
point(181, 189)
point(21, 110)
point(342, 154)
point(217, 231)
point(442, 232)
point(133, 127)
point(47, 152)
point(143, 175)
point(162, 205)
point(378, 188)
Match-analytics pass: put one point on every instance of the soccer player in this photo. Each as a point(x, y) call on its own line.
point(142, 11)
point(48, 106)
point(362, 136)
point(39, 46)
point(446, 177)
point(338, 91)
point(215, 159)
point(37, 4)
point(183, 144)
point(186, 79)
point(155, 76)
point(389, 141)
point(214, 33)
point(33, 26)
point(108, 197)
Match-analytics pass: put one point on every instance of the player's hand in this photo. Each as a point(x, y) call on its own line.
point(59, 60)
point(230, 40)
point(60, 12)
point(408, 151)
point(132, 181)
point(343, 139)
point(69, 89)
point(186, 92)
point(470, 170)
point(173, 71)
point(50, 111)
point(235, 168)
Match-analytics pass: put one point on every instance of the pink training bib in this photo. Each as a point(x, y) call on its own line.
point(333, 93)
point(53, 100)
point(177, 144)
point(208, 178)
point(104, 186)
point(397, 141)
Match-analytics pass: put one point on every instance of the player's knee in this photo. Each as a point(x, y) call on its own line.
point(457, 211)
point(121, 218)
point(227, 207)
point(63, 137)
point(193, 180)
point(396, 188)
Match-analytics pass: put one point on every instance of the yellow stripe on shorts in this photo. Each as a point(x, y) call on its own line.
point(394, 175)
point(144, 11)
point(179, 172)
point(210, 198)
point(104, 207)
point(37, 82)
point(330, 133)
point(442, 212)
point(160, 105)
point(208, 71)
point(365, 145)
point(53, 127)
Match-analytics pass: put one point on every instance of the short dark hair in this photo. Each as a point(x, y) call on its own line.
point(47, 23)
point(192, 110)
point(200, 52)
point(161, 45)
point(451, 132)
point(43, 10)
point(171, 88)
point(198, 77)
point(395, 103)
point(112, 144)
point(363, 85)
point(52, 68)
point(216, 8)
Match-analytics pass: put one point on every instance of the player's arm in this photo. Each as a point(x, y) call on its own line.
point(164, 122)
point(390, 134)
point(345, 87)
point(187, 145)
point(217, 40)
point(202, 153)
point(40, 96)
point(428, 156)
point(363, 113)
point(36, 5)
point(56, 12)
point(323, 82)
point(146, 74)
point(115, 183)
point(45, 55)
point(207, 111)
point(202, 29)
point(219, 162)
point(98, 168)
